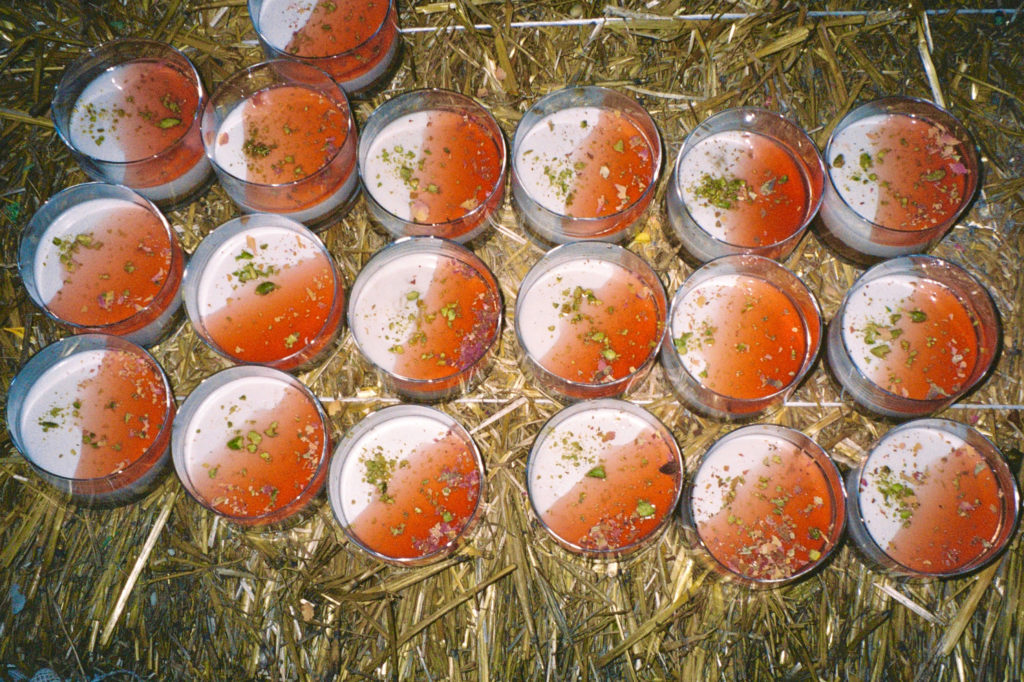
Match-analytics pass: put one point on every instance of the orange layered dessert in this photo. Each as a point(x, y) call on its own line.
point(264, 290)
point(741, 337)
point(433, 162)
point(252, 444)
point(101, 258)
point(590, 326)
point(767, 504)
point(354, 41)
point(407, 484)
point(585, 162)
point(130, 112)
point(426, 313)
point(93, 415)
point(934, 502)
point(604, 477)
point(282, 139)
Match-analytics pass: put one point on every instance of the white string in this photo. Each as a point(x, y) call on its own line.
point(502, 400)
point(725, 16)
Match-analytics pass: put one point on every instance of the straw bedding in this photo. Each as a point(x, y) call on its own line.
point(163, 590)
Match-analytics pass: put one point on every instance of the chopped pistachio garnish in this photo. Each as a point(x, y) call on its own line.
point(721, 191)
point(644, 509)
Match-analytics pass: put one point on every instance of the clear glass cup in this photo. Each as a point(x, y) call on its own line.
point(589, 319)
point(585, 165)
point(743, 332)
point(746, 180)
point(766, 505)
point(901, 171)
point(92, 414)
point(407, 484)
point(426, 313)
point(432, 162)
point(912, 336)
point(933, 499)
point(86, 270)
point(355, 42)
point(604, 477)
point(129, 112)
point(282, 139)
point(263, 289)
point(252, 444)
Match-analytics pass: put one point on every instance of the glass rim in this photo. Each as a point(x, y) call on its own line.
point(664, 433)
point(968, 143)
point(69, 346)
point(195, 270)
point(367, 425)
point(26, 260)
point(993, 460)
point(242, 74)
point(312, 60)
point(478, 107)
point(810, 355)
point(822, 460)
point(208, 387)
point(911, 260)
point(437, 245)
point(812, 210)
point(564, 253)
point(94, 52)
point(647, 195)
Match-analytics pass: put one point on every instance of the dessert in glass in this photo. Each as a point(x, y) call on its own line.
point(102, 258)
point(252, 444)
point(426, 313)
point(901, 171)
point(604, 477)
point(129, 111)
point(282, 139)
point(354, 41)
point(263, 289)
point(746, 181)
point(432, 162)
point(585, 164)
point(934, 498)
point(743, 333)
point(912, 335)
point(406, 485)
point(590, 318)
point(767, 504)
point(92, 414)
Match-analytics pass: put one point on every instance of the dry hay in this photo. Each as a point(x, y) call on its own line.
point(165, 590)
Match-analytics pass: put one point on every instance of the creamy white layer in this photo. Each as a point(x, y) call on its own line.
point(727, 460)
point(728, 154)
point(398, 145)
point(913, 450)
point(546, 151)
point(698, 314)
point(575, 446)
point(385, 305)
point(280, 20)
point(270, 248)
point(397, 440)
point(51, 432)
point(873, 303)
point(541, 306)
point(217, 418)
point(860, 137)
